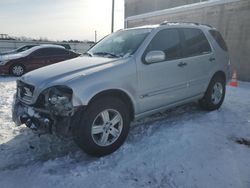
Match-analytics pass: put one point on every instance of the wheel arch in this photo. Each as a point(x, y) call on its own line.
point(220, 74)
point(118, 94)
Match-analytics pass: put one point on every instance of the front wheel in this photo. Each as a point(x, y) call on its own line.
point(17, 70)
point(214, 95)
point(103, 127)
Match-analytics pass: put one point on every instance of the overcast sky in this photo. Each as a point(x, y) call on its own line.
point(59, 19)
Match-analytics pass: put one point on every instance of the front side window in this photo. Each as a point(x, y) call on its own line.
point(195, 42)
point(120, 43)
point(168, 41)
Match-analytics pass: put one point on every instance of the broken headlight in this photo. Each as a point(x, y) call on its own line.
point(58, 100)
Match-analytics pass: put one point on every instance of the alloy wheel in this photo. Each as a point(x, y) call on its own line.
point(17, 70)
point(217, 93)
point(107, 127)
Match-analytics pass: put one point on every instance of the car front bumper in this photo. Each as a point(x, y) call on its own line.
point(43, 121)
point(34, 118)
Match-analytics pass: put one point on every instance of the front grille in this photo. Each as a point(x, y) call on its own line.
point(24, 91)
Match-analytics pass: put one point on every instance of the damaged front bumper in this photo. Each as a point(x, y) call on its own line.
point(36, 119)
point(42, 120)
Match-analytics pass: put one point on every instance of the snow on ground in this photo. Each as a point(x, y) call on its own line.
point(183, 147)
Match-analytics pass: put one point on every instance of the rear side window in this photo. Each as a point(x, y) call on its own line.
point(48, 52)
point(58, 52)
point(217, 36)
point(195, 42)
point(41, 52)
point(168, 41)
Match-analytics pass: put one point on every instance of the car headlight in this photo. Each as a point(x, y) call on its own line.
point(3, 62)
point(59, 100)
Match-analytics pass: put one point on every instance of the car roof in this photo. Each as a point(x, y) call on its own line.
point(29, 51)
point(28, 45)
point(50, 46)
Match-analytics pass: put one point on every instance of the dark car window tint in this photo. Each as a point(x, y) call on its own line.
point(40, 52)
point(196, 42)
point(168, 41)
point(58, 51)
point(45, 52)
point(217, 36)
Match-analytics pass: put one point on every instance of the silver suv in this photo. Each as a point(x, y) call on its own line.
point(128, 75)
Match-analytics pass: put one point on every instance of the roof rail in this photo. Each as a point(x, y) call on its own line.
point(207, 25)
point(193, 23)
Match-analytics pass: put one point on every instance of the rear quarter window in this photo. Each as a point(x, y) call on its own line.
point(58, 52)
point(50, 52)
point(219, 39)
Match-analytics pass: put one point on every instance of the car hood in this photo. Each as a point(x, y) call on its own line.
point(8, 52)
point(62, 72)
point(7, 57)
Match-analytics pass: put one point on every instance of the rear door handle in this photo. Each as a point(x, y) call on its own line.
point(211, 59)
point(181, 64)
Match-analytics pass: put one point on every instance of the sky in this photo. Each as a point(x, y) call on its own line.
point(60, 19)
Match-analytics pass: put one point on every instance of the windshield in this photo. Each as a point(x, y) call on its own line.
point(23, 48)
point(120, 43)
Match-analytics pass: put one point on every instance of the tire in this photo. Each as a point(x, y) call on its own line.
point(17, 70)
point(214, 95)
point(95, 127)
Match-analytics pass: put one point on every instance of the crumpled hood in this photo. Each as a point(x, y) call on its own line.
point(62, 72)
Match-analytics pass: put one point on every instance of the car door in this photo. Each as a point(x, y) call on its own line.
point(199, 57)
point(162, 83)
point(38, 58)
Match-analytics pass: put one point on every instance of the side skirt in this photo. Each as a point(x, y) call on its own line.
point(163, 108)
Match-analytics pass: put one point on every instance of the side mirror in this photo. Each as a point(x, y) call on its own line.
point(155, 56)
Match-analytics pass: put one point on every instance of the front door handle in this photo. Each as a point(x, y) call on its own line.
point(211, 59)
point(181, 64)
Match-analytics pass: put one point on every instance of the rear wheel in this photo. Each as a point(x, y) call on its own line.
point(103, 127)
point(214, 95)
point(17, 70)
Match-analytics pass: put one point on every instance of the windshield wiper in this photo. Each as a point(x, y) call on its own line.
point(106, 54)
point(88, 54)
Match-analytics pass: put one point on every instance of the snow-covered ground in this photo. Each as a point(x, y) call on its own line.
point(183, 147)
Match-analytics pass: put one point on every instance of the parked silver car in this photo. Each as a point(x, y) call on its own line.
point(127, 75)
